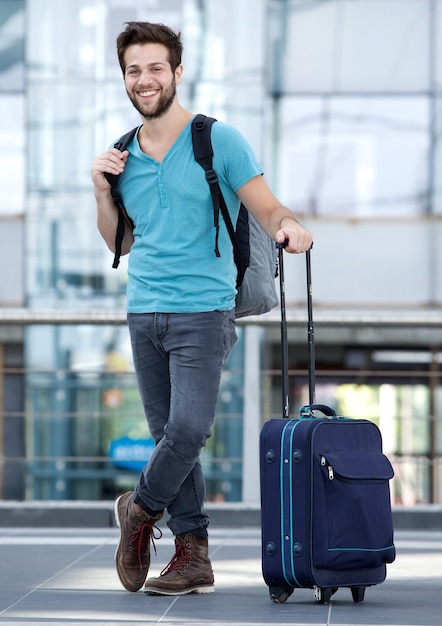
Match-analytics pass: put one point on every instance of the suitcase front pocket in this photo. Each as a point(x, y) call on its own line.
point(353, 528)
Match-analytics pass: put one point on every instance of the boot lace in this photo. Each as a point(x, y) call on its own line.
point(179, 561)
point(141, 537)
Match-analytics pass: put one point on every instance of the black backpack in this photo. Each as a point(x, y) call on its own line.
point(254, 252)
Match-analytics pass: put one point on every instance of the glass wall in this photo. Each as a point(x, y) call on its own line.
point(355, 105)
point(355, 90)
point(355, 156)
point(83, 407)
point(12, 120)
point(341, 100)
point(12, 209)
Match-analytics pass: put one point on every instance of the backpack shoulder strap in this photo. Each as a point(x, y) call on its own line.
point(202, 144)
point(203, 152)
point(113, 179)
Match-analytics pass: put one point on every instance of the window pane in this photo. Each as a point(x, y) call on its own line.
point(12, 46)
point(12, 155)
point(350, 156)
point(437, 166)
point(69, 38)
point(67, 259)
point(369, 45)
point(436, 31)
point(69, 127)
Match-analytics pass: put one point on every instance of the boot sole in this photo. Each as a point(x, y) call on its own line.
point(152, 591)
point(117, 519)
point(126, 584)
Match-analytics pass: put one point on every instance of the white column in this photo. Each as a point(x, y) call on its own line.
point(252, 414)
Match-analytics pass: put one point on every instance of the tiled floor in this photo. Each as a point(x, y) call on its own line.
point(67, 576)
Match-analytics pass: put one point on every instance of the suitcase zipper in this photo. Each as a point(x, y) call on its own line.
point(330, 471)
point(344, 479)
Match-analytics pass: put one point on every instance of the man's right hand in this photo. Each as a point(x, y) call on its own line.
point(110, 162)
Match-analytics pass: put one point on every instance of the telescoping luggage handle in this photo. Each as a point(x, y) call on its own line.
point(311, 407)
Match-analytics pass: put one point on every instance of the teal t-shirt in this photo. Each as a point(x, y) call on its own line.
point(172, 264)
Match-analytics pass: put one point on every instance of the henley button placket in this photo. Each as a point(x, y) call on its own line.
point(161, 189)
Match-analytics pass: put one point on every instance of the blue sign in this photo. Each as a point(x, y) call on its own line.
point(131, 454)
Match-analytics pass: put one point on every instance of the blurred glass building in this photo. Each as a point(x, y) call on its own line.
point(342, 102)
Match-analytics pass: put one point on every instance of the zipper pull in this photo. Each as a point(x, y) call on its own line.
point(330, 471)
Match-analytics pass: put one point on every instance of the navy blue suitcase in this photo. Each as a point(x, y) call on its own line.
point(325, 495)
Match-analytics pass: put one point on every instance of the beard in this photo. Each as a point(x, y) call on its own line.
point(163, 105)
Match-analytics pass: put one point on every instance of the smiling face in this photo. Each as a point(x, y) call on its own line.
point(150, 82)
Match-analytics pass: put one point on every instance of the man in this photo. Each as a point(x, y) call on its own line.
point(180, 298)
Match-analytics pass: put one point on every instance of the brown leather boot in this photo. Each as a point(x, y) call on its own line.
point(189, 571)
point(136, 532)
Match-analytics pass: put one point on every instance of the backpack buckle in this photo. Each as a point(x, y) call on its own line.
point(211, 177)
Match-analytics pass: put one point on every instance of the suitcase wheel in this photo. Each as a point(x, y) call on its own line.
point(358, 594)
point(280, 594)
point(324, 594)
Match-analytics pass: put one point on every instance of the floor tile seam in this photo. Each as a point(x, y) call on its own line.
point(48, 580)
point(76, 543)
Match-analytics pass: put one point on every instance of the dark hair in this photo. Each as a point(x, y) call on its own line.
point(145, 32)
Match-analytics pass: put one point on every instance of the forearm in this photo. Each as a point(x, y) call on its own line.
point(276, 219)
point(112, 162)
point(279, 218)
point(107, 221)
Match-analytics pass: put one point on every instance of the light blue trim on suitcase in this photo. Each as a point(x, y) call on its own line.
point(360, 549)
point(289, 500)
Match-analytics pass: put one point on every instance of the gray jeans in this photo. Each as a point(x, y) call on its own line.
point(178, 360)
